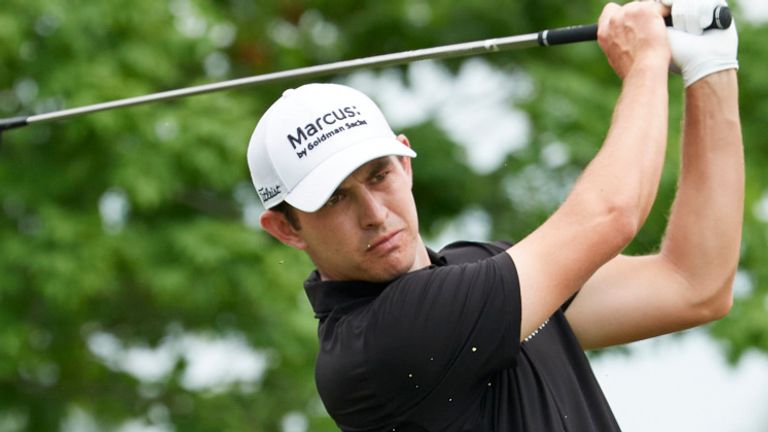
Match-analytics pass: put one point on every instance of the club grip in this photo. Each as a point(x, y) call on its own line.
point(721, 19)
point(566, 35)
point(12, 122)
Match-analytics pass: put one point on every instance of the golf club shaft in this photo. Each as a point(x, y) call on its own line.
point(442, 52)
point(558, 36)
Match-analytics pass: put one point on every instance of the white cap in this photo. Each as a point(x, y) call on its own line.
point(311, 139)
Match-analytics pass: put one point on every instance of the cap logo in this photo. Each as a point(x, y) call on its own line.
point(306, 140)
point(267, 193)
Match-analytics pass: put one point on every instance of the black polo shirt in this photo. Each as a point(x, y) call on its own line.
point(438, 350)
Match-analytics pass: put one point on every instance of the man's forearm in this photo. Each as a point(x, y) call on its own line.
point(628, 167)
point(704, 231)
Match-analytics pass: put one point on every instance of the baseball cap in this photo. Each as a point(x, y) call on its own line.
point(311, 139)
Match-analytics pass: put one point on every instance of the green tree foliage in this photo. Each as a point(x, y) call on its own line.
point(136, 227)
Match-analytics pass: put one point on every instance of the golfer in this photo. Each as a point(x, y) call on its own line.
point(491, 336)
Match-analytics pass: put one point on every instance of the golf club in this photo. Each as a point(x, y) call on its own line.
point(564, 35)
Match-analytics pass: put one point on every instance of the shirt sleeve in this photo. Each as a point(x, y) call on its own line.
point(446, 329)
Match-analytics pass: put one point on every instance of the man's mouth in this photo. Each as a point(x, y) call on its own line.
point(384, 242)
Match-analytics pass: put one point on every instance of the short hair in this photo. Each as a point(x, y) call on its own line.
point(289, 212)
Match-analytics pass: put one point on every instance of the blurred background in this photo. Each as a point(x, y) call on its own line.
point(137, 291)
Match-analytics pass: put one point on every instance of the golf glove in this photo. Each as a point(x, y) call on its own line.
point(696, 56)
point(692, 16)
point(697, 53)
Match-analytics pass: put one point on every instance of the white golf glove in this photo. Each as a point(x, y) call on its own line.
point(692, 16)
point(697, 53)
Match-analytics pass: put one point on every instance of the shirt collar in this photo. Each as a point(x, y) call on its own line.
point(325, 296)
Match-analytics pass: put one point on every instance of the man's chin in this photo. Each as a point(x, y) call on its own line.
point(390, 271)
point(398, 264)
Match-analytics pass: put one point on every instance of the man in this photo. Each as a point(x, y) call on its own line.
point(485, 337)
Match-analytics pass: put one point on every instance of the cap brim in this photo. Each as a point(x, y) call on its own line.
point(316, 188)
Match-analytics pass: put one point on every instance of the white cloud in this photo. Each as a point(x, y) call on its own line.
point(212, 363)
point(215, 363)
point(474, 108)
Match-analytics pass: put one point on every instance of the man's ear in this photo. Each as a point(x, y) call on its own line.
point(278, 225)
point(406, 161)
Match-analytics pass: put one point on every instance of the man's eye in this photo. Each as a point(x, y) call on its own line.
point(334, 199)
point(378, 178)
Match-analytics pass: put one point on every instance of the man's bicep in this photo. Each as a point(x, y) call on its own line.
point(629, 299)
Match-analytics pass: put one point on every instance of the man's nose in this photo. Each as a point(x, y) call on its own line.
point(372, 212)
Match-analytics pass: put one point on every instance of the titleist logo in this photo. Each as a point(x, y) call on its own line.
point(267, 193)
